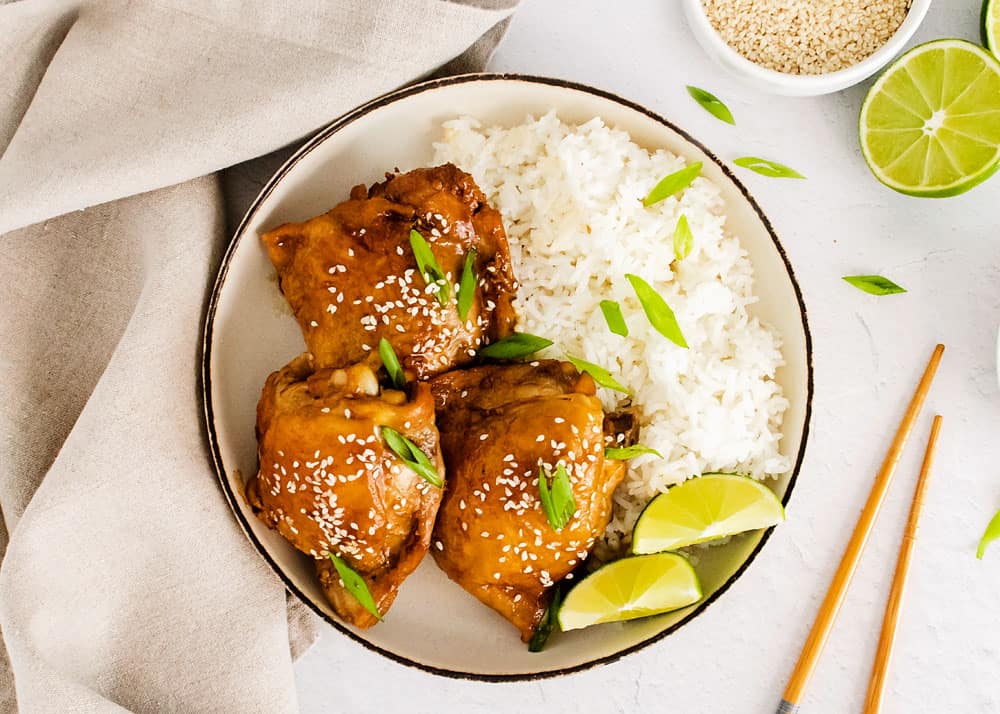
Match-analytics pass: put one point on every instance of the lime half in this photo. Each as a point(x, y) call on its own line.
point(632, 587)
point(930, 125)
point(704, 508)
point(991, 26)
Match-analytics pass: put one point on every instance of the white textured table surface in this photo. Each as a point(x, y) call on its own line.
point(869, 352)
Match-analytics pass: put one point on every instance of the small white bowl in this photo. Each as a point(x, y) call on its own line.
point(799, 85)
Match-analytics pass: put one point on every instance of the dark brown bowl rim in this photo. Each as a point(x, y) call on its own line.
point(206, 375)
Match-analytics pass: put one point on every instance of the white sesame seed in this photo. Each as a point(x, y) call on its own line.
point(804, 37)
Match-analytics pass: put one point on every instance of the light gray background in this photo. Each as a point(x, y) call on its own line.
point(869, 352)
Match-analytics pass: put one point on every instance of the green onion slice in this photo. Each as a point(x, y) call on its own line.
point(548, 622)
point(711, 104)
point(657, 311)
point(683, 239)
point(601, 376)
point(428, 266)
point(628, 452)
point(520, 344)
point(412, 456)
point(391, 364)
point(557, 499)
point(613, 316)
point(991, 533)
point(467, 285)
point(765, 167)
point(355, 585)
point(874, 284)
point(669, 185)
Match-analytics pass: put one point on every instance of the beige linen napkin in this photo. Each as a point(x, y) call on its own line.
point(126, 584)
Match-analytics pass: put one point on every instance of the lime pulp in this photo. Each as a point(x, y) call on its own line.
point(637, 586)
point(705, 508)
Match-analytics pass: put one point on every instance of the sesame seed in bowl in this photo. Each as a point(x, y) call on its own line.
point(804, 47)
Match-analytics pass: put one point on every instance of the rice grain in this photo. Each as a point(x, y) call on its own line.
point(571, 198)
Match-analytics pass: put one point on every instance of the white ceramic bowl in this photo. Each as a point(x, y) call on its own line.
point(434, 624)
point(799, 85)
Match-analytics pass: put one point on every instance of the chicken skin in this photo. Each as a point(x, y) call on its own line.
point(499, 424)
point(329, 483)
point(351, 275)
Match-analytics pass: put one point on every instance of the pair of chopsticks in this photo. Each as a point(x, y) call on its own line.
point(845, 571)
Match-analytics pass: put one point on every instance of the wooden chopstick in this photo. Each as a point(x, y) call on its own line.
point(821, 627)
point(873, 701)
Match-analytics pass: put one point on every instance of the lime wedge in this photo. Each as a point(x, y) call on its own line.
point(703, 508)
point(930, 125)
point(991, 26)
point(629, 588)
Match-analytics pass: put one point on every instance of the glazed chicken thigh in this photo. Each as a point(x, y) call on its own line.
point(329, 484)
point(351, 275)
point(499, 425)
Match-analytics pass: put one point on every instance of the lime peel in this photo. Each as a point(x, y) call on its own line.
point(991, 26)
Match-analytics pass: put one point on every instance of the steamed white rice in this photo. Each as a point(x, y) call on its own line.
point(571, 198)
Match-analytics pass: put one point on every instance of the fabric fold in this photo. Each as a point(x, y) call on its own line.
point(179, 90)
point(126, 583)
